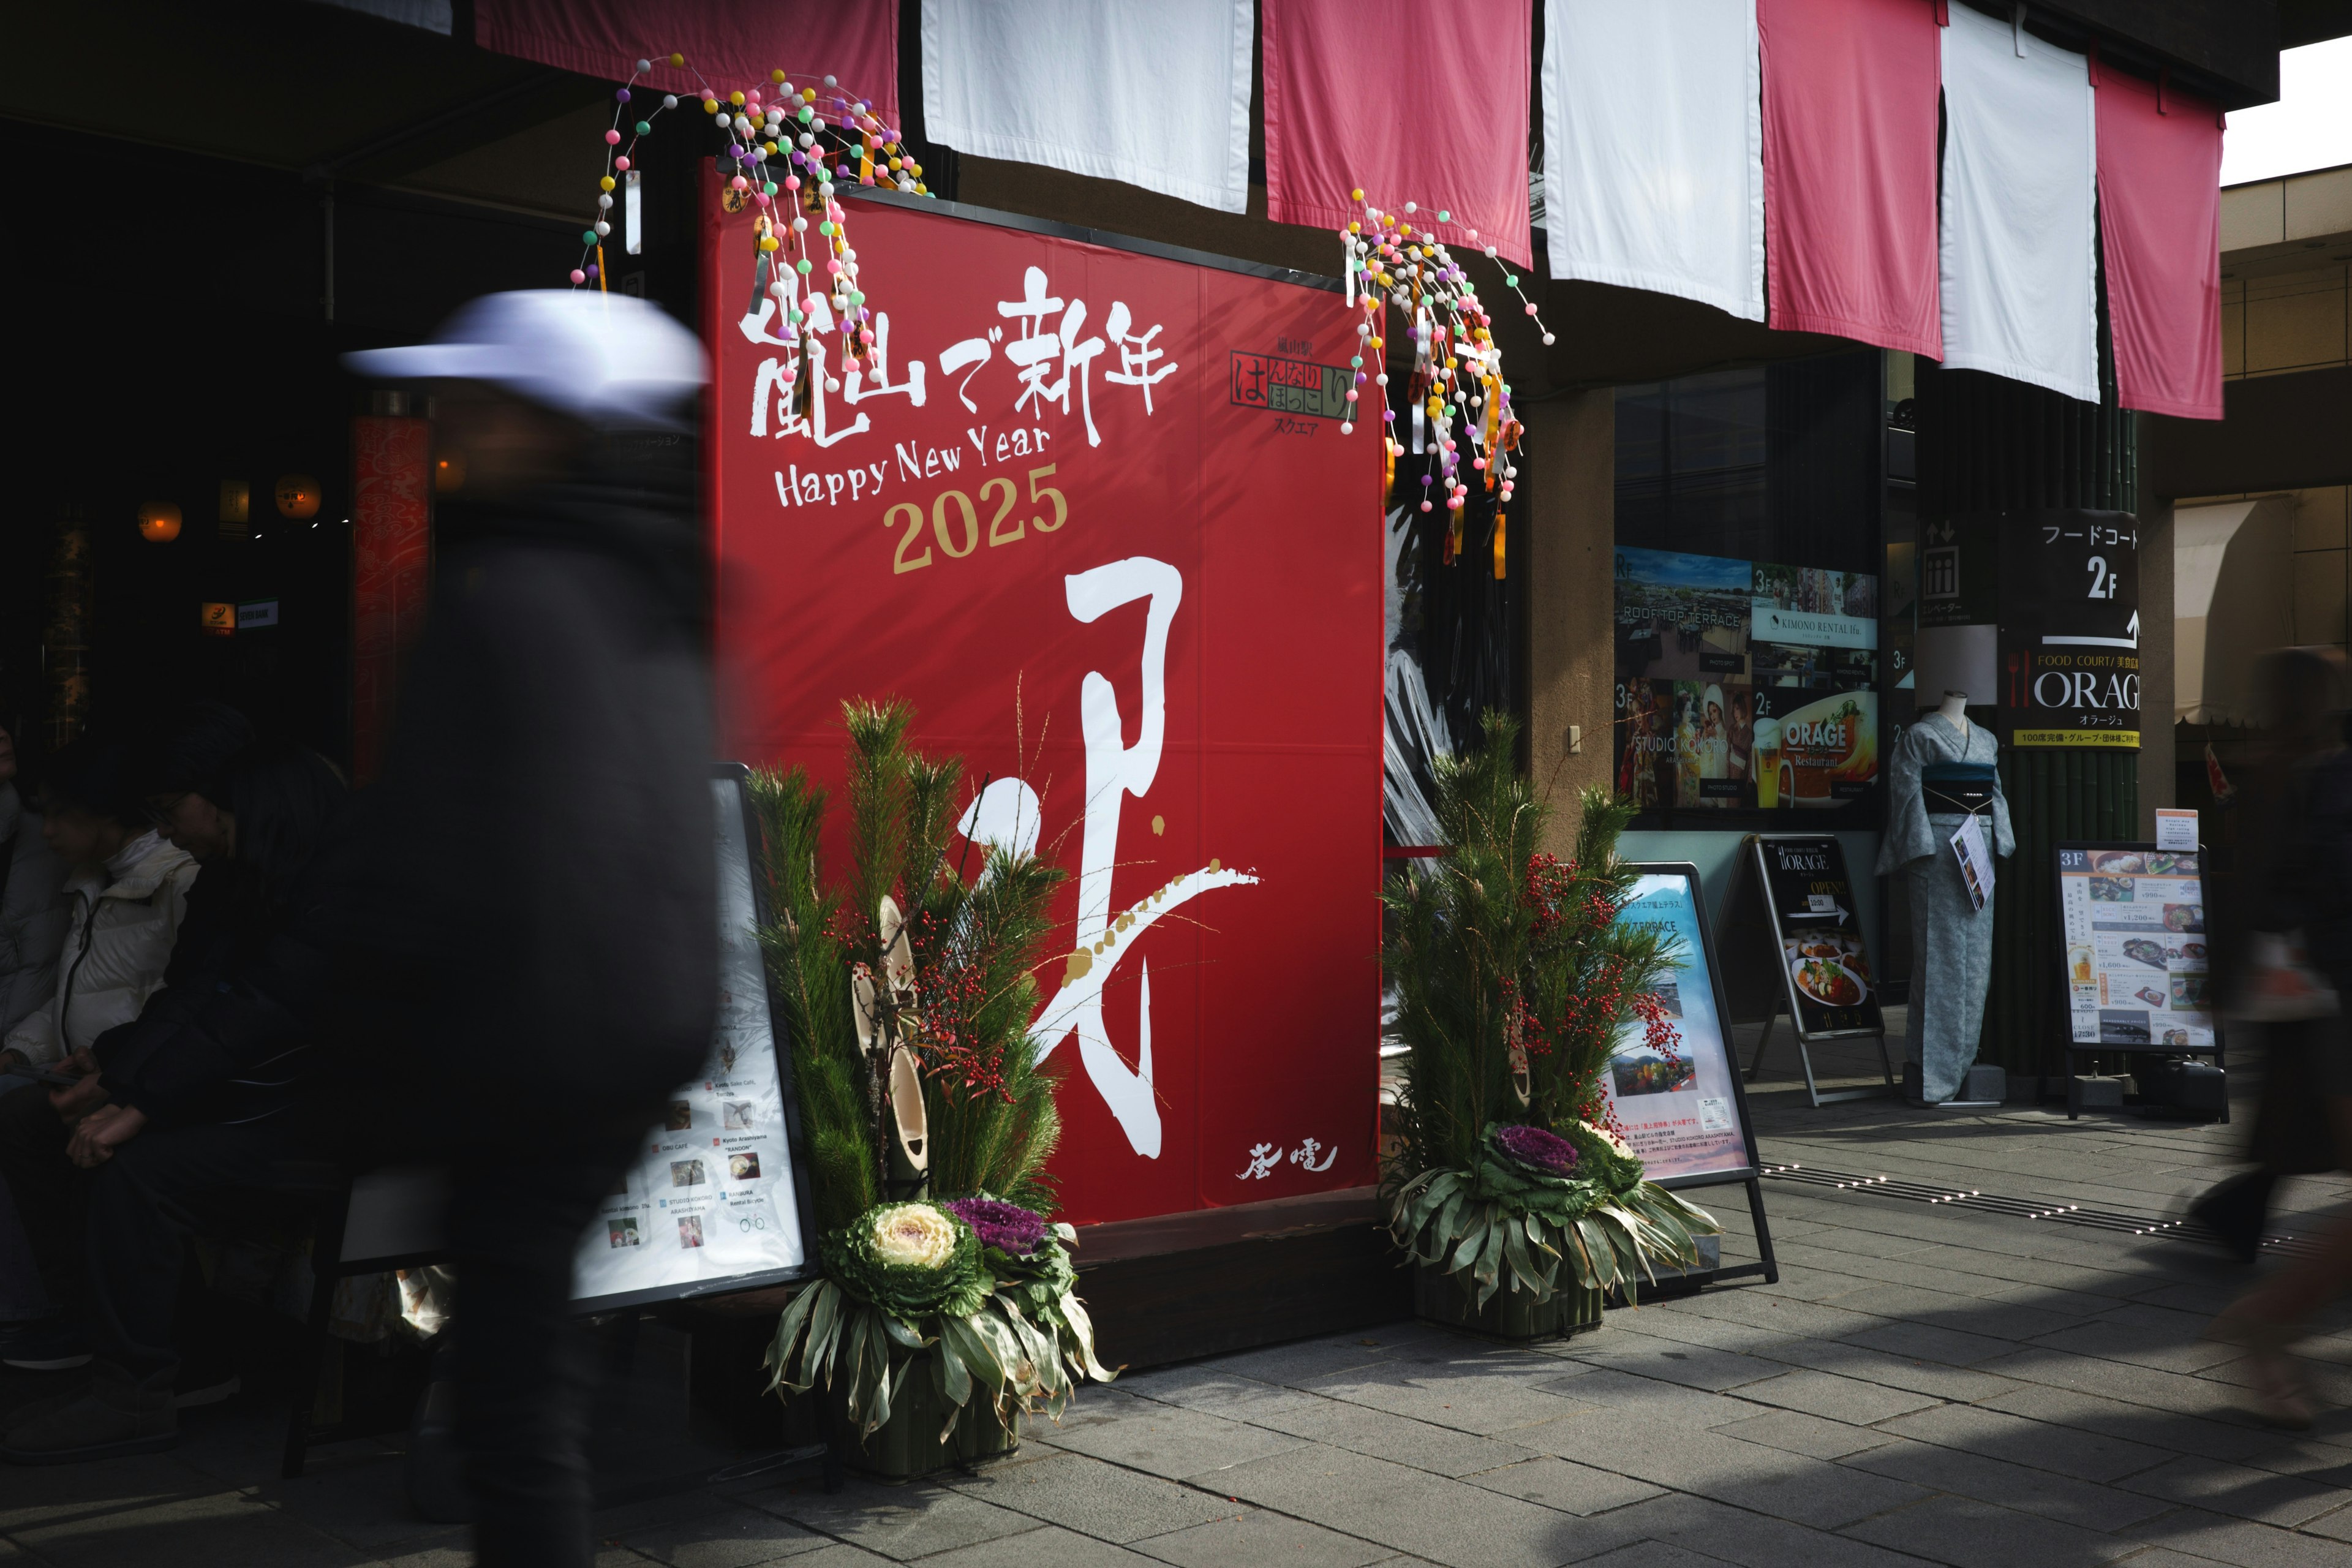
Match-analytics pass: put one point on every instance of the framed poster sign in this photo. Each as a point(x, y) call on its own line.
point(1684, 1112)
point(1820, 962)
point(2132, 930)
point(718, 1198)
point(1792, 943)
point(1086, 508)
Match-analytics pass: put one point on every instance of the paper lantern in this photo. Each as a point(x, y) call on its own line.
point(298, 495)
point(159, 522)
point(235, 501)
point(448, 474)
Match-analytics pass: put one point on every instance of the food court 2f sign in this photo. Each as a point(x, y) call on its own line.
point(2070, 628)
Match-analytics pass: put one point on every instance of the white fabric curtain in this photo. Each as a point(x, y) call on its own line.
point(1153, 92)
point(2019, 274)
point(1653, 148)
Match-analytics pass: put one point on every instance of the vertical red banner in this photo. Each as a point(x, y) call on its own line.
point(1090, 511)
point(392, 557)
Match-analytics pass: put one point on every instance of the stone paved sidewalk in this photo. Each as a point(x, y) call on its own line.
point(1924, 1384)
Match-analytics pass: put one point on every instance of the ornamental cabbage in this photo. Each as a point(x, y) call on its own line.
point(909, 1260)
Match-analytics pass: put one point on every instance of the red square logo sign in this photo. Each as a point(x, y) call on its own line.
point(1145, 607)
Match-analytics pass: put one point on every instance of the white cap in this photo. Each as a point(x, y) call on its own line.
point(605, 358)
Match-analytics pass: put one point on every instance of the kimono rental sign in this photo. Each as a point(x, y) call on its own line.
point(1133, 580)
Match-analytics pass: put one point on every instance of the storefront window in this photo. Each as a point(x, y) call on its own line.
point(1748, 596)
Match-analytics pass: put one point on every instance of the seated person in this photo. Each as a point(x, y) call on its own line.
point(191, 1108)
point(196, 741)
point(126, 892)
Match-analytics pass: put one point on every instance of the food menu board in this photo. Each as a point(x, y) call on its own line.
point(1681, 1107)
point(2133, 919)
point(715, 1200)
point(1823, 975)
point(1743, 685)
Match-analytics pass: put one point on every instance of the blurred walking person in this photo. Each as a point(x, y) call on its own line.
point(537, 909)
point(2295, 971)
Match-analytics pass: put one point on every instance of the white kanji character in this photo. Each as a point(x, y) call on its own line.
point(1135, 355)
point(1035, 351)
point(854, 389)
point(772, 387)
point(1263, 1158)
point(1304, 1155)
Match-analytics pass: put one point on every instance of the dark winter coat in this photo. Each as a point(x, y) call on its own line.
point(32, 911)
point(538, 904)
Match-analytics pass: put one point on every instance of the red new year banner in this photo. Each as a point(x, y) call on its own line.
point(1091, 512)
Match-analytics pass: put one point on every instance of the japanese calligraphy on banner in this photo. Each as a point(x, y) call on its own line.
point(2070, 628)
point(1136, 584)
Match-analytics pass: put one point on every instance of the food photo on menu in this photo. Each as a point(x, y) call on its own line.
point(1829, 967)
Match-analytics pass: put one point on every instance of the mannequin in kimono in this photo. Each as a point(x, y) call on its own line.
point(1941, 773)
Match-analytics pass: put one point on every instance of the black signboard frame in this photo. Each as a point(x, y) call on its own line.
point(2074, 1049)
point(1758, 977)
point(1769, 1267)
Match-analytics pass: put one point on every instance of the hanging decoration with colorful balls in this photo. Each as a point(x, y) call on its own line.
point(1458, 411)
point(792, 148)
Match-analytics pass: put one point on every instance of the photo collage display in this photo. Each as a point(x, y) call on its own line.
point(1743, 685)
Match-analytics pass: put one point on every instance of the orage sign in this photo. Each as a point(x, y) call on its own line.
point(1145, 607)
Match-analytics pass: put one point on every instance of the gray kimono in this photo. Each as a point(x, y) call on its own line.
point(1951, 939)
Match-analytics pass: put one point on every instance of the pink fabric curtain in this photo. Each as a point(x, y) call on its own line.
point(2159, 226)
point(1850, 104)
point(1411, 101)
point(729, 45)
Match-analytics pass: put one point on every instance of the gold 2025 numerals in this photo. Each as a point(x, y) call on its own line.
point(955, 521)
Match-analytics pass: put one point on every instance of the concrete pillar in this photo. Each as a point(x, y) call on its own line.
point(1565, 533)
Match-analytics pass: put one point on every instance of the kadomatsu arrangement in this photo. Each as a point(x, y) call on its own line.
point(1514, 984)
point(949, 1299)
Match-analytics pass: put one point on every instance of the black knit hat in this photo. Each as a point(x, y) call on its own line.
point(192, 751)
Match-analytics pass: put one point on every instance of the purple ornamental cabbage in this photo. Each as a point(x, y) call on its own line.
point(1535, 1148)
point(1008, 1228)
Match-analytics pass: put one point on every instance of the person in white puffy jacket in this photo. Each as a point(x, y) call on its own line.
point(125, 895)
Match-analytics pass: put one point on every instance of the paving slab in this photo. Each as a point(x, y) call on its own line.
point(1445, 1521)
point(1816, 1436)
point(1424, 1445)
point(1048, 1548)
point(1565, 1485)
point(1971, 1534)
point(1848, 1399)
point(2000, 1436)
point(727, 1535)
point(2020, 1487)
point(1255, 1535)
point(2219, 1538)
point(1161, 1439)
point(2221, 1487)
point(899, 1523)
point(1109, 1501)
